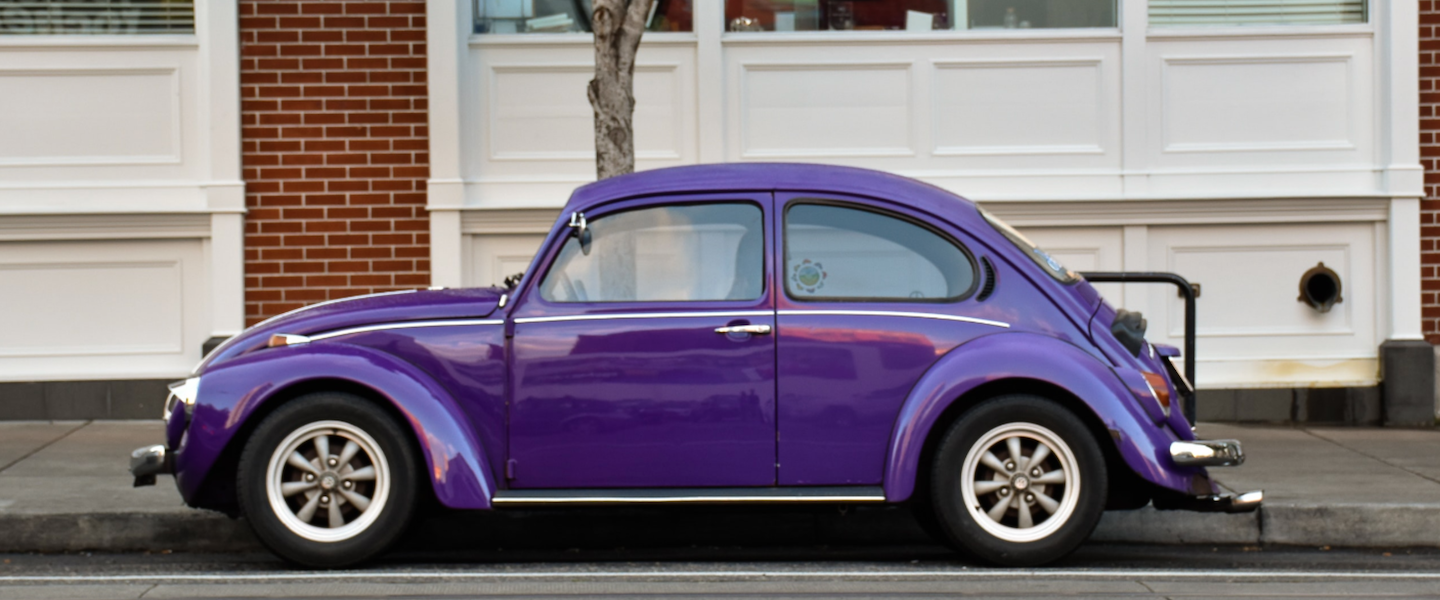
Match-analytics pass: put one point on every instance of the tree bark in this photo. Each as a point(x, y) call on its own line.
point(618, 25)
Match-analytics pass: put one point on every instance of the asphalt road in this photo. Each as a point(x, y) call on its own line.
point(715, 572)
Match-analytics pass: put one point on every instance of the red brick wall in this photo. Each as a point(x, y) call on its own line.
point(333, 120)
point(1430, 157)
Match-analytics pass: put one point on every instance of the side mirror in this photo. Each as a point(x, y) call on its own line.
point(1320, 288)
point(581, 230)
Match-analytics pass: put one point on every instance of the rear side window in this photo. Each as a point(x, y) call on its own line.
point(846, 253)
point(681, 253)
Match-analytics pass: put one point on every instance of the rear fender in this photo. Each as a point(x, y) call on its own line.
point(1143, 446)
point(230, 398)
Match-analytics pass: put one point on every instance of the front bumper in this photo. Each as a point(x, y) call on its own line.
point(149, 461)
point(1207, 453)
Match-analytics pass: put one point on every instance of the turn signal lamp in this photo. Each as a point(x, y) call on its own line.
point(1159, 390)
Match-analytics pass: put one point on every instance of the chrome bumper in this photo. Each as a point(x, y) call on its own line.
point(147, 462)
point(1207, 453)
point(1228, 502)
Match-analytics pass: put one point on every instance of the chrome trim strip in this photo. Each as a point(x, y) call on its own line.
point(891, 313)
point(668, 315)
point(519, 500)
point(411, 325)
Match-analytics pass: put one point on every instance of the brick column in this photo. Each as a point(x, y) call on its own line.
point(1430, 158)
point(334, 150)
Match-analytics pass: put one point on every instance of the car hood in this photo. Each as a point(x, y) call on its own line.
point(387, 307)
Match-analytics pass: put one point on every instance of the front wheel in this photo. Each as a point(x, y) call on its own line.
point(1018, 481)
point(327, 480)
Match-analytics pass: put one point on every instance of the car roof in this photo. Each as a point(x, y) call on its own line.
point(758, 177)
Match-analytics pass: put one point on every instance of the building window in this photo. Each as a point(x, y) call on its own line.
point(1172, 13)
point(915, 15)
point(567, 16)
point(96, 17)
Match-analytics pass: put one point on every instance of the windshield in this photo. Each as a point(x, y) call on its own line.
point(1046, 262)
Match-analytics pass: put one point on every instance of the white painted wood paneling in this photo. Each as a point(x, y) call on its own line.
point(86, 310)
point(63, 117)
point(497, 256)
point(535, 113)
point(1258, 103)
point(1016, 107)
point(1085, 249)
point(829, 109)
point(1252, 327)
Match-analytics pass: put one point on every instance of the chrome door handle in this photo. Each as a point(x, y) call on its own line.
point(751, 329)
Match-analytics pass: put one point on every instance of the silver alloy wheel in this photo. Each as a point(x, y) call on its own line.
point(306, 481)
point(1021, 482)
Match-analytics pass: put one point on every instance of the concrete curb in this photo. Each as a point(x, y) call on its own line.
point(1337, 526)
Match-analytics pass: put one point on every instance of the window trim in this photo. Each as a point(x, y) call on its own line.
point(553, 257)
point(784, 258)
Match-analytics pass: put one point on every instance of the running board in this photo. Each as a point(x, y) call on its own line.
point(770, 495)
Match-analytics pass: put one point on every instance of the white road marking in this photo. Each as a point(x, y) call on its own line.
point(734, 575)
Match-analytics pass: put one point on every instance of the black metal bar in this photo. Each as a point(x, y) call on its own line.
point(1185, 290)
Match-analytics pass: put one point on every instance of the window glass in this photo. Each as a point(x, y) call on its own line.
point(840, 253)
point(1042, 258)
point(567, 16)
point(670, 253)
point(1256, 12)
point(915, 15)
point(96, 17)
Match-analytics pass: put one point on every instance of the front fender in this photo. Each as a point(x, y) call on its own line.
point(230, 394)
point(1029, 356)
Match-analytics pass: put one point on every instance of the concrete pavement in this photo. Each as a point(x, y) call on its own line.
point(64, 487)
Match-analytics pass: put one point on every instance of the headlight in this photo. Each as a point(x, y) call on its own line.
point(182, 391)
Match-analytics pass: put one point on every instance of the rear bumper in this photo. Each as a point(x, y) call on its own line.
point(1228, 502)
point(149, 461)
point(1207, 453)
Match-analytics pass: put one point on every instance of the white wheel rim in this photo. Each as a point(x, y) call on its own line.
point(1012, 497)
point(328, 472)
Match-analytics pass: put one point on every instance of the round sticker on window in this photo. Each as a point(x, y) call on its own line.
point(808, 276)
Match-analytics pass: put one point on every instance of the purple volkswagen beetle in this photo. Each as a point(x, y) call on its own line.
point(745, 333)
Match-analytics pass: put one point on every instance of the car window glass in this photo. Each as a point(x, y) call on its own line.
point(669, 253)
point(836, 252)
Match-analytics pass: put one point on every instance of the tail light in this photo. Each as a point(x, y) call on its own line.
point(1159, 390)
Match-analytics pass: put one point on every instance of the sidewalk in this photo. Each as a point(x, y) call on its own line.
point(65, 486)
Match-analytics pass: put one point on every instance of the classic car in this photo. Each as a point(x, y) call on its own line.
point(742, 333)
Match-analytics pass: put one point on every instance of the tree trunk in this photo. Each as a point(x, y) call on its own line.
point(618, 25)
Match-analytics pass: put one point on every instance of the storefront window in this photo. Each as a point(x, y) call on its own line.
point(96, 17)
point(915, 15)
point(566, 16)
point(1180, 13)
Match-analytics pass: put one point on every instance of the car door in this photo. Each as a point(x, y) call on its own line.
point(873, 294)
point(647, 359)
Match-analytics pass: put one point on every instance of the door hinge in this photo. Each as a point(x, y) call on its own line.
point(510, 469)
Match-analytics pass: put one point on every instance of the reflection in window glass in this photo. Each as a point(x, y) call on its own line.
point(836, 253)
point(915, 15)
point(672, 253)
point(96, 17)
point(1256, 12)
point(567, 16)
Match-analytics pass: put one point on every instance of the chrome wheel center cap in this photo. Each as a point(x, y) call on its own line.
point(328, 481)
point(1020, 483)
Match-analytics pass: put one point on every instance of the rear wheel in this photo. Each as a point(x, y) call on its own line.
point(328, 480)
point(1018, 481)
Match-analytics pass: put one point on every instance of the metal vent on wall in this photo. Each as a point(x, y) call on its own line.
point(989, 287)
point(96, 17)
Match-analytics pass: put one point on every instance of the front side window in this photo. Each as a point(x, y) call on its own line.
point(96, 17)
point(670, 253)
point(843, 253)
point(1180, 13)
point(567, 16)
point(915, 15)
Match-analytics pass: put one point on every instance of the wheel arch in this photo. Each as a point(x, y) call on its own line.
point(232, 405)
point(1029, 363)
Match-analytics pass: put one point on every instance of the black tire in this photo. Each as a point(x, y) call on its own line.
point(301, 541)
point(1078, 499)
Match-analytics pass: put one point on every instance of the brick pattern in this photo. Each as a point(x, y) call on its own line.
point(1430, 157)
point(335, 159)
